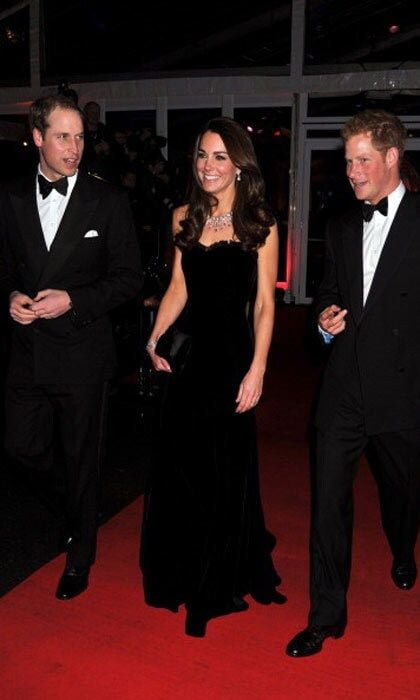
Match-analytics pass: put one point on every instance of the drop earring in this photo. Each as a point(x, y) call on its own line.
point(238, 177)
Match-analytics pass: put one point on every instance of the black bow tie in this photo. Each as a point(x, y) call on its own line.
point(45, 186)
point(368, 209)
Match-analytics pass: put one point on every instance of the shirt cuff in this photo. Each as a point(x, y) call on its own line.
point(327, 337)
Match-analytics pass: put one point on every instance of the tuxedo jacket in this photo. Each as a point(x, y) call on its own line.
point(94, 257)
point(380, 346)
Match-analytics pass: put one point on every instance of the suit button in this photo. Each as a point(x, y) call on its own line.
point(403, 294)
point(395, 331)
point(401, 369)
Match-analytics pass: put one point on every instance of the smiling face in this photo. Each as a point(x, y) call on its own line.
point(215, 170)
point(372, 174)
point(61, 146)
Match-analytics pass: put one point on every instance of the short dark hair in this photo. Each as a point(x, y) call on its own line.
point(386, 129)
point(43, 106)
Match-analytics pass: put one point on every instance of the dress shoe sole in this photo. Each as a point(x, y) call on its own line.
point(238, 605)
point(172, 607)
point(275, 598)
point(405, 579)
point(69, 596)
point(196, 621)
point(310, 652)
point(71, 589)
point(195, 627)
point(404, 585)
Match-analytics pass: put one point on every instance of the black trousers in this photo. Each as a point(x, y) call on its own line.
point(60, 428)
point(397, 471)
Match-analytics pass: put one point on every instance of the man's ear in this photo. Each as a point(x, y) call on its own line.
point(392, 156)
point(37, 137)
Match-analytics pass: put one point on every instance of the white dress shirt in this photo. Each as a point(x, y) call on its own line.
point(375, 233)
point(52, 208)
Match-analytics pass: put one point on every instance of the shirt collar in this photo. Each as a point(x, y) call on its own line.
point(395, 197)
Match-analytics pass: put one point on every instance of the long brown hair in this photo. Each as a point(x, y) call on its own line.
point(252, 217)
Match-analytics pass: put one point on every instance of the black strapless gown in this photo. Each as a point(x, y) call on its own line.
point(204, 541)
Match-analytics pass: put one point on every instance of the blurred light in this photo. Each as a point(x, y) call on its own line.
point(277, 132)
point(394, 29)
point(11, 35)
point(249, 128)
point(24, 143)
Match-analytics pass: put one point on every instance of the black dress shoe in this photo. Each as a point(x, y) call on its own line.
point(238, 605)
point(404, 574)
point(268, 597)
point(195, 624)
point(72, 583)
point(166, 603)
point(198, 616)
point(311, 639)
point(235, 605)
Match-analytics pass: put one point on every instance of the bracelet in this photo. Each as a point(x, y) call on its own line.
point(151, 344)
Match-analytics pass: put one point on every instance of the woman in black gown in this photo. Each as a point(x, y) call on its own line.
point(204, 541)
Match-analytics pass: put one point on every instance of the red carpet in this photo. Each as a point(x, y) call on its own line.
point(107, 644)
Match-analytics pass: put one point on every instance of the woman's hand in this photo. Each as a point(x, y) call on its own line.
point(251, 386)
point(159, 363)
point(170, 307)
point(250, 391)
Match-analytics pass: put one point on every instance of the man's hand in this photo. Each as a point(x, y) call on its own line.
point(20, 308)
point(332, 320)
point(51, 303)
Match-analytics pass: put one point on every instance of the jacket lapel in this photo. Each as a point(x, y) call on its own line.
point(73, 226)
point(29, 224)
point(353, 259)
point(403, 229)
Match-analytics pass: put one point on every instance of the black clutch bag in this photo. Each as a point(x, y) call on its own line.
point(174, 346)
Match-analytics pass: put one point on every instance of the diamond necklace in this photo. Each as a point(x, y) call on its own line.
point(220, 221)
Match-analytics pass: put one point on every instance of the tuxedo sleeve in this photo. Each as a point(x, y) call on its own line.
point(8, 277)
point(328, 292)
point(122, 278)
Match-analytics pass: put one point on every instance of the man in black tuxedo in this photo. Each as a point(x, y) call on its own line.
point(368, 307)
point(68, 256)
